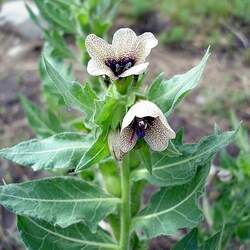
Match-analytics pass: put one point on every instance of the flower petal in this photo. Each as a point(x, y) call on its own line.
point(145, 43)
point(128, 139)
point(135, 70)
point(114, 145)
point(158, 135)
point(124, 41)
point(142, 109)
point(97, 68)
point(98, 49)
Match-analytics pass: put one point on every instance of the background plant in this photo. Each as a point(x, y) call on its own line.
point(230, 187)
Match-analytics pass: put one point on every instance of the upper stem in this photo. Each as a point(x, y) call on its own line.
point(125, 208)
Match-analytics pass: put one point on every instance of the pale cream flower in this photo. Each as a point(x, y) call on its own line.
point(124, 57)
point(145, 120)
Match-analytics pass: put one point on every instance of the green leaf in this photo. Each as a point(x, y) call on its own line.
point(169, 171)
point(242, 138)
point(98, 151)
point(60, 151)
point(117, 116)
point(57, 14)
point(190, 242)
point(213, 243)
point(243, 230)
point(56, 40)
point(76, 96)
point(38, 234)
point(172, 208)
point(145, 156)
point(43, 123)
point(61, 201)
point(168, 93)
point(108, 106)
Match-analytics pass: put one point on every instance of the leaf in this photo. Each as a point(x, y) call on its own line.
point(170, 171)
point(117, 116)
point(57, 14)
point(98, 151)
point(43, 123)
point(145, 156)
point(213, 243)
point(172, 208)
point(76, 96)
point(190, 242)
point(59, 45)
point(61, 201)
point(242, 138)
point(168, 93)
point(60, 151)
point(38, 234)
point(109, 105)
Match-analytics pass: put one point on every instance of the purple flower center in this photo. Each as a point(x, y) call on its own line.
point(140, 125)
point(120, 65)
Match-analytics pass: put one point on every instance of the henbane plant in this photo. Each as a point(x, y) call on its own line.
point(125, 143)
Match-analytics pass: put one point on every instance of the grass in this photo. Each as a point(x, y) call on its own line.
point(223, 23)
point(205, 20)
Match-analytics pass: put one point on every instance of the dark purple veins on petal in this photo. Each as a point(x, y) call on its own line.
point(120, 65)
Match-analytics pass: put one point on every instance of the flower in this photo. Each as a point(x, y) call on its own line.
point(145, 120)
point(124, 57)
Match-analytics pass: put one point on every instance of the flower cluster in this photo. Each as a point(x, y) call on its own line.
point(124, 57)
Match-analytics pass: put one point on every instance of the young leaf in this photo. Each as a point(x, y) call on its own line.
point(98, 151)
point(63, 150)
point(43, 124)
point(170, 171)
point(76, 96)
point(168, 93)
point(60, 201)
point(172, 208)
point(107, 107)
point(38, 234)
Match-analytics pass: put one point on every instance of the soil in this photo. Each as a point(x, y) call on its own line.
point(225, 86)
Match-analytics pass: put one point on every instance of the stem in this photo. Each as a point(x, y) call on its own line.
point(125, 208)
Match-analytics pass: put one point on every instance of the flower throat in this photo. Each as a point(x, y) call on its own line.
point(120, 65)
point(140, 125)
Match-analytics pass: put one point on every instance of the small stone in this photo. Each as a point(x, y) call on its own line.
point(15, 18)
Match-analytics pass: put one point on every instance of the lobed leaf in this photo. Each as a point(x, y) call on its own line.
point(172, 208)
point(170, 171)
point(60, 201)
point(61, 151)
point(38, 234)
point(168, 93)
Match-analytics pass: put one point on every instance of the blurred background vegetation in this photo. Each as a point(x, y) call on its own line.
point(185, 28)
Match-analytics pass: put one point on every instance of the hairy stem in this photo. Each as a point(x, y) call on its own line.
point(125, 208)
